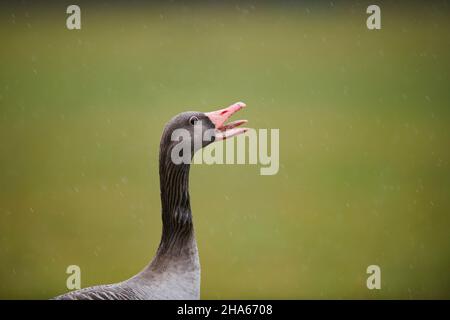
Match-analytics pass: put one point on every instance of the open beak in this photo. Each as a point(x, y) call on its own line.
point(219, 117)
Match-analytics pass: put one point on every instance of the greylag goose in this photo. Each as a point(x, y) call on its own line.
point(174, 272)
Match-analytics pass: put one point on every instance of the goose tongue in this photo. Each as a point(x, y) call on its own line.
point(219, 117)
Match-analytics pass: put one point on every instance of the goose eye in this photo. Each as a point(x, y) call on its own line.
point(193, 120)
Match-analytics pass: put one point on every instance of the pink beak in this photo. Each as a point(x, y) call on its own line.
point(218, 118)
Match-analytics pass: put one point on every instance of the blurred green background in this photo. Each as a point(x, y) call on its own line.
point(364, 145)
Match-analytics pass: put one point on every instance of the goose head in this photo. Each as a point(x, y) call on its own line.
point(193, 130)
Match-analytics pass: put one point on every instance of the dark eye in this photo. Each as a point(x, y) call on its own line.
point(193, 120)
